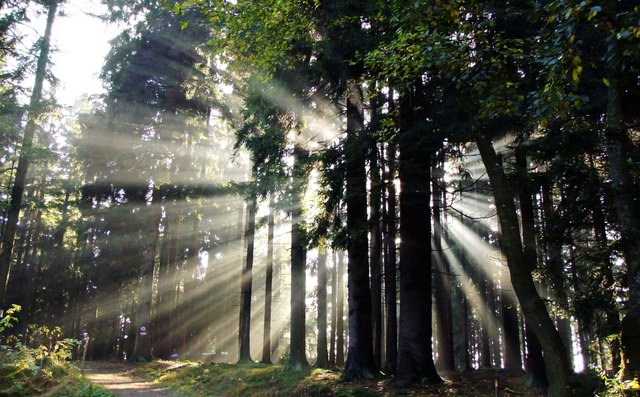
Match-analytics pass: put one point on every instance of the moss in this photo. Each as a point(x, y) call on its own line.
point(262, 380)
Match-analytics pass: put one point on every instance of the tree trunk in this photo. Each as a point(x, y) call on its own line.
point(484, 286)
point(142, 349)
point(513, 358)
point(268, 289)
point(323, 359)
point(390, 279)
point(35, 109)
point(360, 361)
point(165, 307)
point(340, 312)
point(297, 356)
point(415, 354)
point(376, 257)
point(334, 312)
point(246, 282)
point(512, 355)
point(533, 307)
point(555, 264)
point(442, 283)
point(466, 337)
point(612, 318)
point(626, 207)
point(536, 374)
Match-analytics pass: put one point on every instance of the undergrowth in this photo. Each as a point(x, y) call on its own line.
point(250, 379)
point(37, 363)
point(261, 380)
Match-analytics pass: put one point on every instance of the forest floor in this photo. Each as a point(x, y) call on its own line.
point(171, 378)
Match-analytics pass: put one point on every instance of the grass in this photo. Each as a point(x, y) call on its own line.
point(52, 379)
point(250, 379)
point(261, 380)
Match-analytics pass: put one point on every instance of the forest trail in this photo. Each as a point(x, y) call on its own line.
point(120, 379)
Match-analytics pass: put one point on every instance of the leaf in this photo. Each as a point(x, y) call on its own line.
point(576, 73)
point(606, 81)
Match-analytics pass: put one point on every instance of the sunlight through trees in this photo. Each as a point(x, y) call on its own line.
point(398, 189)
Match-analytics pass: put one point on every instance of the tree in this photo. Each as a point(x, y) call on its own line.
point(268, 293)
point(322, 360)
point(36, 107)
point(415, 354)
point(297, 351)
point(247, 279)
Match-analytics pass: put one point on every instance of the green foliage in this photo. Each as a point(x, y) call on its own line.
point(9, 319)
point(47, 343)
point(32, 364)
point(261, 380)
point(81, 388)
point(615, 386)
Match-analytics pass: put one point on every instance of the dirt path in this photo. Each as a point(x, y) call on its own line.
point(119, 379)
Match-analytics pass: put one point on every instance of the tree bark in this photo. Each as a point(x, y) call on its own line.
point(627, 209)
point(323, 359)
point(375, 259)
point(340, 312)
point(165, 306)
point(445, 359)
point(390, 274)
point(554, 262)
point(415, 354)
point(297, 356)
point(360, 361)
point(268, 289)
point(143, 345)
point(533, 307)
point(244, 337)
point(334, 312)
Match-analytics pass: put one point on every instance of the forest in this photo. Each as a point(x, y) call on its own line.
point(397, 189)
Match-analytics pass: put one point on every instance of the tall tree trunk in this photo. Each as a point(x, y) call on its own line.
point(512, 355)
point(626, 205)
point(340, 311)
point(35, 109)
point(268, 289)
point(555, 264)
point(323, 359)
point(360, 361)
point(143, 345)
point(612, 318)
point(466, 337)
point(334, 311)
point(415, 352)
point(297, 356)
point(533, 307)
point(167, 280)
point(442, 283)
point(536, 373)
point(513, 358)
point(484, 287)
point(390, 279)
point(246, 282)
point(375, 259)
